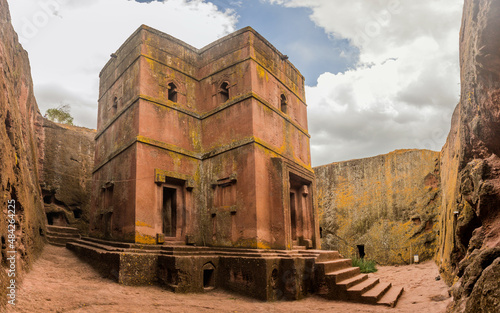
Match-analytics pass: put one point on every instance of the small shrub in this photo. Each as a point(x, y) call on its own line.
point(60, 114)
point(366, 266)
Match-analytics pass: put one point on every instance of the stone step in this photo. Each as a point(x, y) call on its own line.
point(334, 265)
point(323, 255)
point(373, 295)
point(118, 244)
point(59, 241)
point(348, 283)
point(105, 247)
point(174, 243)
point(63, 235)
point(93, 244)
point(391, 297)
point(342, 274)
point(63, 229)
point(78, 244)
point(357, 290)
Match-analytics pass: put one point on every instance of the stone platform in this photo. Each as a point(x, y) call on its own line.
point(260, 273)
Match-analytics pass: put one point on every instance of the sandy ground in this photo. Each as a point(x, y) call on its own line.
point(60, 282)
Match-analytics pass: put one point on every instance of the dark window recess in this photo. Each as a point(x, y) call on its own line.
point(172, 92)
point(114, 108)
point(283, 104)
point(224, 92)
point(274, 279)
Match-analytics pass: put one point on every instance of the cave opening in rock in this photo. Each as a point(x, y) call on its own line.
point(4, 251)
point(77, 213)
point(361, 251)
point(57, 219)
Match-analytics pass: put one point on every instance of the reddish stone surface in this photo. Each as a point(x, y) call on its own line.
point(470, 169)
point(66, 158)
point(206, 147)
point(19, 118)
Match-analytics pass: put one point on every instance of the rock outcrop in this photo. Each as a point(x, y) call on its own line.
point(66, 163)
point(18, 154)
point(387, 205)
point(470, 168)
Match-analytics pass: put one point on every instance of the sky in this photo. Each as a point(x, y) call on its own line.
point(380, 74)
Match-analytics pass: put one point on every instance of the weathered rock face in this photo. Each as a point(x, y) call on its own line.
point(389, 204)
point(470, 170)
point(66, 162)
point(18, 155)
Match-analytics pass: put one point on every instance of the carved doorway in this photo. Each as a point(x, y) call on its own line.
point(300, 211)
point(169, 212)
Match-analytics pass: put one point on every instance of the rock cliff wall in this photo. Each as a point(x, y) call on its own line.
point(469, 253)
point(389, 204)
point(18, 157)
point(66, 162)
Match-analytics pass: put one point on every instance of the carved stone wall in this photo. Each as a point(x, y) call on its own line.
point(386, 206)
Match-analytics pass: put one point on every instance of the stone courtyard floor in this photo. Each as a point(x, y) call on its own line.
point(60, 282)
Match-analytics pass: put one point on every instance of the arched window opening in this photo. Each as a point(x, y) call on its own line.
point(172, 92)
point(114, 108)
point(283, 104)
point(224, 92)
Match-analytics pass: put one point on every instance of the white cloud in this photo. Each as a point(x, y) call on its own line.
point(399, 95)
point(402, 91)
point(69, 41)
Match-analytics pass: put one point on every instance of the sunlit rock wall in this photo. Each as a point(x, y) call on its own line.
point(388, 203)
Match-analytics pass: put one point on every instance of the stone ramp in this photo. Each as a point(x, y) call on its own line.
point(338, 280)
point(60, 235)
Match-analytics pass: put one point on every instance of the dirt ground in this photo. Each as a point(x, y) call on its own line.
point(60, 282)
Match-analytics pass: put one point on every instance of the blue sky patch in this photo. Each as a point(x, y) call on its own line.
point(293, 33)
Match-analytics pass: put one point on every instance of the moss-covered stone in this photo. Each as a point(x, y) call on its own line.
point(388, 203)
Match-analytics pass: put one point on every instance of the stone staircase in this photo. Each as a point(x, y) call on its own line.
point(338, 280)
point(60, 235)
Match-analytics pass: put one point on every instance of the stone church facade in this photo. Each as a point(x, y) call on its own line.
point(205, 147)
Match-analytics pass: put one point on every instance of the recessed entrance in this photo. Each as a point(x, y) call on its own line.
point(169, 212)
point(361, 251)
point(300, 212)
point(208, 276)
point(293, 215)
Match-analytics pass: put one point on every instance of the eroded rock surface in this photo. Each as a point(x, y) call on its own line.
point(470, 169)
point(389, 204)
point(66, 162)
point(18, 155)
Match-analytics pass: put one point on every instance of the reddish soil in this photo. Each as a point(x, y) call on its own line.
point(60, 282)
